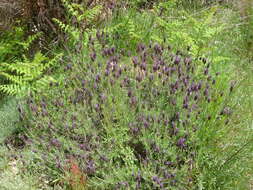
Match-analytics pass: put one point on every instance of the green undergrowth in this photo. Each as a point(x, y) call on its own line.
point(8, 117)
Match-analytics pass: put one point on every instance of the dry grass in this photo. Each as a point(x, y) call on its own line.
point(9, 10)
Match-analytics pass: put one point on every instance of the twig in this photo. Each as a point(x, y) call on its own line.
point(237, 152)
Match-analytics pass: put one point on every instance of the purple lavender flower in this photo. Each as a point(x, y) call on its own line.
point(181, 142)
point(206, 71)
point(133, 100)
point(55, 143)
point(140, 47)
point(206, 92)
point(98, 78)
point(187, 60)
point(143, 66)
point(135, 61)
point(90, 167)
point(158, 49)
point(177, 60)
point(69, 66)
point(93, 56)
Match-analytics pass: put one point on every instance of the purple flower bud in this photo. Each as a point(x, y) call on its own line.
point(97, 107)
point(187, 60)
point(146, 124)
point(93, 56)
point(140, 47)
point(111, 5)
point(199, 85)
point(95, 86)
point(143, 66)
point(97, 78)
point(206, 92)
point(44, 112)
point(206, 71)
point(55, 143)
point(83, 83)
point(155, 178)
point(156, 67)
point(98, 35)
point(158, 49)
point(185, 106)
point(133, 100)
point(177, 60)
point(129, 93)
point(181, 142)
point(107, 73)
point(226, 111)
point(90, 167)
point(135, 61)
point(168, 163)
point(69, 67)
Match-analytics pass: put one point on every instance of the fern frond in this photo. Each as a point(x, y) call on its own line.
point(53, 62)
point(132, 29)
point(27, 44)
point(43, 82)
point(13, 78)
point(90, 14)
point(10, 89)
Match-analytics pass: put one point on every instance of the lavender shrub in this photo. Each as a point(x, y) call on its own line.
point(130, 120)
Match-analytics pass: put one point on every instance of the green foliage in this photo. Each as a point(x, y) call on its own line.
point(247, 27)
point(10, 46)
point(19, 74)
point(8, 117)
point(188, 30)
point(26, 75)
point(78, 20)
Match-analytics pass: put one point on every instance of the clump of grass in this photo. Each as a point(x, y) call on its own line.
point(12, 181)
point(8, 116)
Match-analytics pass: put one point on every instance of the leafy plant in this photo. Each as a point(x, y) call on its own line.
point(19, 74)
point(26, 75)
point(78, 20)
point(189, 31)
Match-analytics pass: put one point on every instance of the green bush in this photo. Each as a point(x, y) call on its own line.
point(126, 110)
